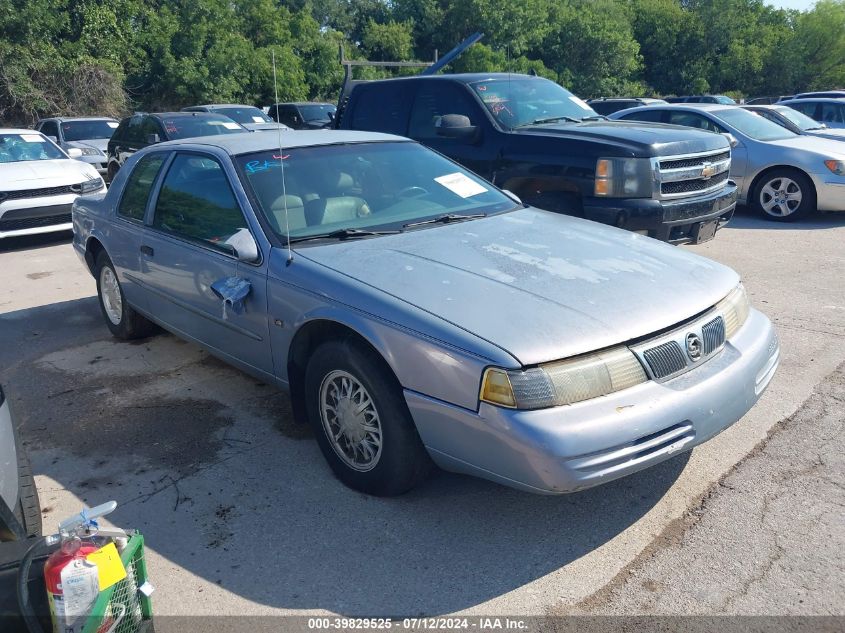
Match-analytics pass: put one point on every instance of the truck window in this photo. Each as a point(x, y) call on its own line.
point(650, 116)
point(433, 101)
point(382, 107)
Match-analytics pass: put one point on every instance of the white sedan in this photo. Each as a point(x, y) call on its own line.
point(38, 183)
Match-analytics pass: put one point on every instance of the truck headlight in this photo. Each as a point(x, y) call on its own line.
point(624, 178)
point(734, 308)
point(563, 382)
point(89, 186)
point(836, 166)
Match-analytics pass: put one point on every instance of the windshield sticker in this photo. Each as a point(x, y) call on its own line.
point(33, 138)
point(257, 119)
point(581, 104)
point(231, 125)
point(112, 124)
point(461, 185)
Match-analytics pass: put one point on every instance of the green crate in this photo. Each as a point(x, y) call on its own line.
point(122, 608)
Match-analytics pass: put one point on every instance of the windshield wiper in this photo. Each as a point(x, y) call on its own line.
point(551, 119)
point(595, 117)
point(445, 219)
point(342, 234)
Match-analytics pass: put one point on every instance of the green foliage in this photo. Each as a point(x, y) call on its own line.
point(109, 56)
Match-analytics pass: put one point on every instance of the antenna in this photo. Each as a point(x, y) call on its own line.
point(282, 163)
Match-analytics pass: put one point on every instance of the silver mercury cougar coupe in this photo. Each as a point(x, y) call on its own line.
point(419, 315)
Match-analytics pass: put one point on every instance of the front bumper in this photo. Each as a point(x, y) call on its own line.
point(830, 191)
point(564, 449)
point(674, 221)
point(30, 216)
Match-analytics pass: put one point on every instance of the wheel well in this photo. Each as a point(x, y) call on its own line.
point(753, 188)
point(92, 251)
point(305, 341)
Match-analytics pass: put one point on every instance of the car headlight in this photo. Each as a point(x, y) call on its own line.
point(734, 308)
point(91, 151)
point(624, 178)
point(89, 186)
point(563, 382)
point(836, 166)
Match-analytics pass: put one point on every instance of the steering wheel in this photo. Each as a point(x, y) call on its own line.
point(412, 192)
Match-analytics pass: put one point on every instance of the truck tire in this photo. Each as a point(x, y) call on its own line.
point(361, 422)
point(119, 316)
point(784, 195)
point(28, 510)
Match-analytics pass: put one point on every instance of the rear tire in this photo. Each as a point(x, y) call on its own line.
point(361, 422)
point(784, 195)
point(119, 316)
point(28, 510)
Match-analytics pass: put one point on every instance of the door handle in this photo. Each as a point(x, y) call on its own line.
point(147, 250)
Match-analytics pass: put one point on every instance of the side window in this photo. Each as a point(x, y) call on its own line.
point(197, 202)
point(137, 190)
point(134, 133)
point(650, 116)
point(691, 119)
point(831, 113)
point(434, 99)
point(805, 108)
point(148, 127)
point(287, 115)
point(382, 107)
point(50, 128)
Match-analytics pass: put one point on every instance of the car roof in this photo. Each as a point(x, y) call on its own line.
point(691, 107)
point(467, 78)
point(302, 103)
point(221, 105)
point(77, 118)
point(249, 142)
point(840, 100)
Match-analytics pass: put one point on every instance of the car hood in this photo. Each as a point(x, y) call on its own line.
point(640, 139)
point(539, 285)
point(101, 144)
point(44, 173)
point(830, 133)
point(818, 145)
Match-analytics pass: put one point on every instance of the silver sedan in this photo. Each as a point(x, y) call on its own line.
point(783, 175)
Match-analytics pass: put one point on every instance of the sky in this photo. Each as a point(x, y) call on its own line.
point(791, 4)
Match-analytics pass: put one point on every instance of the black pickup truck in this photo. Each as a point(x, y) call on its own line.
point(536, 139)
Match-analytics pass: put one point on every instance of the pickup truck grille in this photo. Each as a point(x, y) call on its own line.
point(38, 193)
point(692, 174)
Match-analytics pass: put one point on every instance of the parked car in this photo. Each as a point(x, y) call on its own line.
point(142, 129)
point(701, 99)
point(20, 510)
point(533, 137)
point(418, 313)
point(39, 182)
point(831, 112)
point(250, 117)
point(795, 121)
point(829, 94)
point(781, 174)
point(303, 116)
point(607, 106)
point(89, 134)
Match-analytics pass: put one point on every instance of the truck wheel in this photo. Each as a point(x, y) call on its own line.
point(121, 319)
point(785, 195)
point(361, 421)
point(28, 510)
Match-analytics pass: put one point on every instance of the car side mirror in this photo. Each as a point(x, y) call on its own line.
point(152, 139)
point(456, 126)
point(244, 246)
point(74, 152)
point(55, 139)
point(512, 196)
point(731, 139)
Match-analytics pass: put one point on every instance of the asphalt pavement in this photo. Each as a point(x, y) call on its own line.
point(242, 515)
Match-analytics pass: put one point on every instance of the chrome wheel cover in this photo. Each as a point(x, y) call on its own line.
point(350, 420)
point(110, 295)
point(781, 197)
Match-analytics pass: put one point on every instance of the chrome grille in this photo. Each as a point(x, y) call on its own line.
point(38, 193)
point(666, 359)
point(713, 335)
point(692, 174)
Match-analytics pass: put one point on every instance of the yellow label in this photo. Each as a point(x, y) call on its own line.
point(109, 566)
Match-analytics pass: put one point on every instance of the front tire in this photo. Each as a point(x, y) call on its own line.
point(119, 316)
point(785, 195)
point(28, 510)
point(361, 422)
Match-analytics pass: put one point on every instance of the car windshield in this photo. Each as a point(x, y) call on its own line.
point(753, 125)
point(17, 148)
point(244, 114)
point(191, 126)
point(799, 118)
point(363, 187)
point(316, 112)
point(725, 100)
point(517, 102)
point(88, 130)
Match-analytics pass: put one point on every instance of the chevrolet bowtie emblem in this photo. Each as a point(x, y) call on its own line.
point(708, 171)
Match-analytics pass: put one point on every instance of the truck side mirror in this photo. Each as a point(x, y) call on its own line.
point(456, 126)
point(152, 139)
point(731, 139)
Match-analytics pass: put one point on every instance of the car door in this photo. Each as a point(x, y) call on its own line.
point(185, 251)
point(434, 99)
